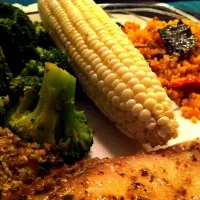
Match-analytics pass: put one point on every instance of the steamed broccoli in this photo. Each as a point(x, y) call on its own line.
point(4, 104)
point(53, 55)
point(54, 119)
point(23, 41)
point(33, 68)
point(5, 75)
point(20, 84)
point(17, 37)
point(37, 100)
point(2, 111)
point(42, 36)
point(74, 145)
point(36, 67)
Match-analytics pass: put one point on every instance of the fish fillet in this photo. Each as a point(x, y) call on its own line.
point(170, 174)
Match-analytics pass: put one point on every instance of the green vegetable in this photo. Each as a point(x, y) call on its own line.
point(17, 37)
point(20, 84)
point(5, 79)
point(37, 99)
point(42, 36)
point(4, 105)
point(36, 67)
point(33, 68)
point(5, 75)
point(2, 111)
point(23, 41)
point(54, 56)
point(54, 119)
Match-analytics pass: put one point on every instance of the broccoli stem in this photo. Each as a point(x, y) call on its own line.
point(47, 112)
point(46, 117)
point(69, 111)
point(26, 102)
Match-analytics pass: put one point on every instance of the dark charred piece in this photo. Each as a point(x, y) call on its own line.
point(177, 38)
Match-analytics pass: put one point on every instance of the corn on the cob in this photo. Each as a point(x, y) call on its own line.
point(110, 69)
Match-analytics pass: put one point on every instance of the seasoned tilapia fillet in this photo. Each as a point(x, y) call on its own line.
point(170, 174)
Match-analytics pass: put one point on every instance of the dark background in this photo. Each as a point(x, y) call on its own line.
point(190, 5)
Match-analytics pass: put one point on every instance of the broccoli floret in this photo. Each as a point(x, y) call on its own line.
point(42, 36)
point(4, 105)
point(17, 37)
point(33, 68)
point(5, 75)
point(53, 55)
point(2, 111)
point(20, 84)
point(36, 67)
point(75, 144)
point(54, 119)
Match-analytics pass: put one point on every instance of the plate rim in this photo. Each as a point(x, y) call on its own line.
point(128, 8)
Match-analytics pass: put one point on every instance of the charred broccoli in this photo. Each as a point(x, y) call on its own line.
point(54, 119)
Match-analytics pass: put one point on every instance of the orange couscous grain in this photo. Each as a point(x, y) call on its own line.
point(169, 68)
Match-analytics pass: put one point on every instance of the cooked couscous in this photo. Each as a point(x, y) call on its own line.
point(179, 76)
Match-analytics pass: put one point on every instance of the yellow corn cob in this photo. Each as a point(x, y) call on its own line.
point(112, 72)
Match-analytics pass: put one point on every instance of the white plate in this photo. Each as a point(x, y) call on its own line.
point(108, 141)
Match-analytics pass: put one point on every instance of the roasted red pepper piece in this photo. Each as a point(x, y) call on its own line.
point(187, 84)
